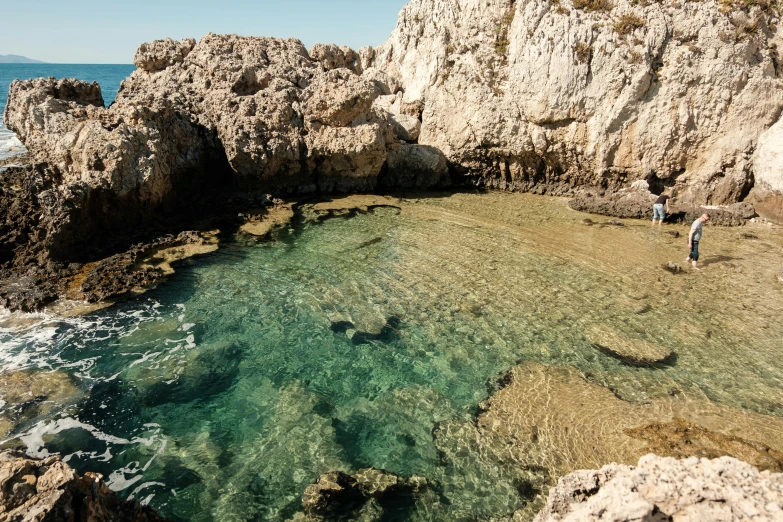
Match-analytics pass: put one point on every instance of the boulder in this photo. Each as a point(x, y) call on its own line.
point(415, 166)
point(49, 490)
point(673, 267)
point(406, 127)
point(662, 488)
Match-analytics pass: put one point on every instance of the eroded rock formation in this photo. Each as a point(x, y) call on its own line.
point(49, 490)
point(661, 488)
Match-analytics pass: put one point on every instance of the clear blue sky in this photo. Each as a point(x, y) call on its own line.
point(109, 31)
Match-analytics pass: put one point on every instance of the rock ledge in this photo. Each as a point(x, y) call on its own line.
point(662, 488)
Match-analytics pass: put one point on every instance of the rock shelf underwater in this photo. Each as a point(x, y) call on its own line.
point(222, 394)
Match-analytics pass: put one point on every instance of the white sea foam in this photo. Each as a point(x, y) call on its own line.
point(9, 143)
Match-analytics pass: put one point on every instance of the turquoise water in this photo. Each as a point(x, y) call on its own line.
point(223, 393)
point(108, 76)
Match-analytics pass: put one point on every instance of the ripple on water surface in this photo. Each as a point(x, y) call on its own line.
point(370, 341)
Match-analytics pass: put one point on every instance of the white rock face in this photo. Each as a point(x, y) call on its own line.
point(768, 159)
point(536, 92)
point(663, 488)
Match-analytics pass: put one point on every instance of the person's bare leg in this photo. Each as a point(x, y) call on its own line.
point(694, 265)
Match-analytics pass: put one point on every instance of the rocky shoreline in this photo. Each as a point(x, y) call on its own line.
point(203, 130)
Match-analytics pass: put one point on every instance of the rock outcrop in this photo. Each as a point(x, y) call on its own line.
point(660, 488)
point(49, 490)
point(551, 95)
point(197, 129)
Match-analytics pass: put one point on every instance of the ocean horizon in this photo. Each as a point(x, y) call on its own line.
point(109, 76)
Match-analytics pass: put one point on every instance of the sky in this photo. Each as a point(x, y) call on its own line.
point(109, 31)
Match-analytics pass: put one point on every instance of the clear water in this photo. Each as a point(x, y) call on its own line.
point(223, 393)
point(108, 76)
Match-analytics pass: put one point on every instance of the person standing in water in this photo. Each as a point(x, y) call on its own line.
point(693, 240)
point(661, 207)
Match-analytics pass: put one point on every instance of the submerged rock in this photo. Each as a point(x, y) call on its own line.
point(661, 488)
point(49, 490)
point(682, 439)
point(553, 418)
point(366, 495)
point(28, 395)
point(634, 352)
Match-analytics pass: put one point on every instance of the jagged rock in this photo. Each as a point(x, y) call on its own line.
point(332, 56)
point(49, 490)
point(660, 488)
point(364, 495)
point(549, 94)
point(385, 84)
point(576, 102)
point(158, 55)
point(265, 222)
point(630, 351)
point(138, 268)
point(623, 204)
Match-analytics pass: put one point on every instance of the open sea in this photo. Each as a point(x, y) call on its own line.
point(109, 76)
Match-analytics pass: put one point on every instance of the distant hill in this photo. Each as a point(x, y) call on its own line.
point(15, 58)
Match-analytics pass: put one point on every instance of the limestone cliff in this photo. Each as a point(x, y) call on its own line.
point(554, 94)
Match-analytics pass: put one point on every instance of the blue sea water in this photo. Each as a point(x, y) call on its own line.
point(109, 76)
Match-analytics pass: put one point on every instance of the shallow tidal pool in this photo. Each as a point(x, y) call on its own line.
point(345, 342)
